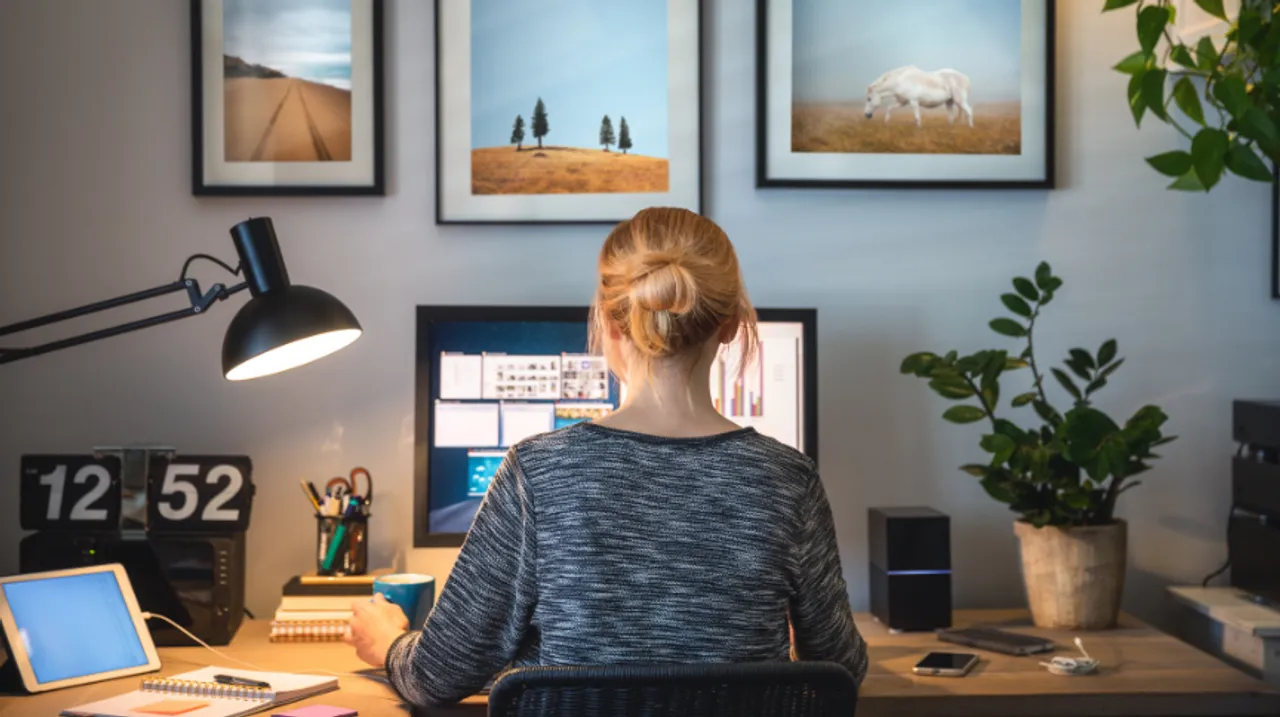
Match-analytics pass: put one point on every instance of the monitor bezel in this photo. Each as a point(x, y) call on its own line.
point(18, 651)
point(429, 314)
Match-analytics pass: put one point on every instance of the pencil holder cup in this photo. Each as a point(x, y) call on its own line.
point(342, 545)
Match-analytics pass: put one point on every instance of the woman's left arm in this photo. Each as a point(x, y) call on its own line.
point(480, 620)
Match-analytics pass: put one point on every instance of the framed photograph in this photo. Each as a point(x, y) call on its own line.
point(1275, 231)
point(562, 111)
point(927, 94)
point(286, 97)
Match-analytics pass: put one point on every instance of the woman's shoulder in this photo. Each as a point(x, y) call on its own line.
point(745, 446)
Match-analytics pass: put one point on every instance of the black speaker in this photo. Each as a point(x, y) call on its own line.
point(910, 568)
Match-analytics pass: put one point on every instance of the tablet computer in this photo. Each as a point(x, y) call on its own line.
point(72, 627)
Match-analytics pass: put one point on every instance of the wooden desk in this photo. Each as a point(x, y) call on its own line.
point(1144, 673)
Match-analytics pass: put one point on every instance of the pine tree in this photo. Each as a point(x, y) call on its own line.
point(624, 136)
point(606, 133)
point(540, 126)
point(517, 133)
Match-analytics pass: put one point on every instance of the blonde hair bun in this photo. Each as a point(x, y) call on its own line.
point(669, 282)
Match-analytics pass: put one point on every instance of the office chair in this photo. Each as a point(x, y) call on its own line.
point(757, 689)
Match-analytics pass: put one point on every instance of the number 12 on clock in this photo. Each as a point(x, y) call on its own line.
point(79, 492)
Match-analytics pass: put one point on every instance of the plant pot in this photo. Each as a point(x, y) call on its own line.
point(1074, 576)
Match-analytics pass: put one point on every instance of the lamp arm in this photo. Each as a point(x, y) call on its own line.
point(200, 302)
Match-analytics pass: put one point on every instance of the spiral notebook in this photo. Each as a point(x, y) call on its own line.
point(196, 694)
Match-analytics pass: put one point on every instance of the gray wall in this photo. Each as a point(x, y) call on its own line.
point(95, 201)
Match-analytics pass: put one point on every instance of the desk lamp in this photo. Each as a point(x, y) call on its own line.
point(283, 326)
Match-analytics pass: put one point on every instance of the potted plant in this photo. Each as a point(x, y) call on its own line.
point(1063, 476)
point(1239, 81)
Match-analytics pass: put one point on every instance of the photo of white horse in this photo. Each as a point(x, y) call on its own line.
point(913, 87)
point(945, 74)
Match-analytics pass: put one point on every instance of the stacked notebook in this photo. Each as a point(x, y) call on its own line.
point(318, 609)
point(197, 694)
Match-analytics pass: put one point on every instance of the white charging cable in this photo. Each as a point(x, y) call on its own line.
point(202, 643)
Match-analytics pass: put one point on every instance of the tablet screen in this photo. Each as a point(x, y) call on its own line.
point(74, 625)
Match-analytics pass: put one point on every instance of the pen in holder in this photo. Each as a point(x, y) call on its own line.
point(342, 544)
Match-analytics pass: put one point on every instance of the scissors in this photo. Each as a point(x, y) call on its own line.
point(340, 486)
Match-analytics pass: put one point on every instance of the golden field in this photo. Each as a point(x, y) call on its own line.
point(285, 120)
point(997, 129)
point(564, 170)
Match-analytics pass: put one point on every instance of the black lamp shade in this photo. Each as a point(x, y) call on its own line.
point(284, 329)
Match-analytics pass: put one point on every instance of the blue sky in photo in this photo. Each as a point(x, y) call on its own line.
point(841, 46)
point(584, 58)
point(310, 39)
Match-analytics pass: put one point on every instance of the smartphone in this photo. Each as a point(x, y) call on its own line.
point(946, 664)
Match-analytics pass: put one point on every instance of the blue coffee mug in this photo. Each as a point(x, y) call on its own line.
point(414, 593)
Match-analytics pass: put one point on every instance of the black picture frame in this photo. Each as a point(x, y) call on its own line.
point(426, 315)
point(200, 187)
point(1275, 231)
point(765, 181)
point(700, 154)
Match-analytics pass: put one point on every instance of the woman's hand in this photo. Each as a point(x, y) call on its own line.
point(375, 624)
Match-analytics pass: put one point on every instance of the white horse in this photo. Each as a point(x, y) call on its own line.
point(914, 87)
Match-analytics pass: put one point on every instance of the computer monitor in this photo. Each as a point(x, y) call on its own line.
point(490, 376)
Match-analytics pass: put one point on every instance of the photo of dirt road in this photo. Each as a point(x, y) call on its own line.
point(286, 120)
point(286, 80)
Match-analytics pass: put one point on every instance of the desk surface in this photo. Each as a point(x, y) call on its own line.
point(1144, 672)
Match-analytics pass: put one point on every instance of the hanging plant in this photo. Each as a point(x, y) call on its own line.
point(1239, 82)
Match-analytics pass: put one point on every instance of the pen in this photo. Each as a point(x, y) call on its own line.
point(240, 681)
point(310, 498)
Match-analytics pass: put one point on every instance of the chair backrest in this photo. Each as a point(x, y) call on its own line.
point(756, 689)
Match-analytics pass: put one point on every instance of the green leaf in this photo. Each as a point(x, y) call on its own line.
point(1046, 412)
point(1188, 100)
point(1111, 369)
point(918, 363)
point(1077, 368)
point(1001, 447)
point(1137, 105)
point(1213, 7)
point(1043, 275)
point(1153, 92)
point(997, 489)
point(1151, 23)
point(1248, 23)
point(1256, 125)
point(1008, 327)
point(1013, 364)
point(1107, 351)
point(1023, 399)
point(1067, 384)
point(1181, 55)
point(1095, 384)
point(1206, 54)
point(1188, 182)
point(1026, 288)
point(1117, 4)
point(1242, 161)
point(1133, 63)
point(1209, 155)
point(1015, 303)
point(975, 469)
point(950, 391)
point(1083, 358)
point(964, 414)
point(1173, 164)
point(1231, 92)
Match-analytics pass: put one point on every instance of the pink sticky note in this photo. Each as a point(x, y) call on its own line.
point(318, 711)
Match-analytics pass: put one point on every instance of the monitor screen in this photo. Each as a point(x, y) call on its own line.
point(489, 377)
point(74, 625)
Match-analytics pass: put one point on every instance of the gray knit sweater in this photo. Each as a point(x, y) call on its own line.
point(600, 546)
